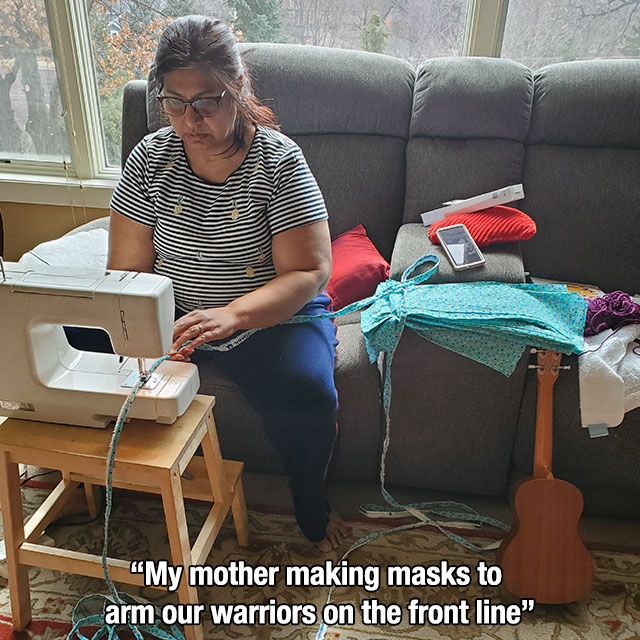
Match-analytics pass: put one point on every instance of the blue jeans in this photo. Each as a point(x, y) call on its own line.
point(286, 374)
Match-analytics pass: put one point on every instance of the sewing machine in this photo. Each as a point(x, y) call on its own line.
point(42, 377)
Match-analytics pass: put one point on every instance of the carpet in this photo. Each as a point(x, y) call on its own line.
point(612, 609)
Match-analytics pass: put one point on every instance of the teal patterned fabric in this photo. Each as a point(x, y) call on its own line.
point(490, 322)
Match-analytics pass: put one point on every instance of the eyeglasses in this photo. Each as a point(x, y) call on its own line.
point(205, 107)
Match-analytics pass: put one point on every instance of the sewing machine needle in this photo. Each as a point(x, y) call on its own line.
point(144, 374)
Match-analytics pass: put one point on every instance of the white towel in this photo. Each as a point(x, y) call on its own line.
point(609, 377)
point(86, 246)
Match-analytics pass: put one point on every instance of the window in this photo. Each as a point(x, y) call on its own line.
point(125, 32)
point(60, 123)
point(540, 32)
point(32, 125)
point(124, 35)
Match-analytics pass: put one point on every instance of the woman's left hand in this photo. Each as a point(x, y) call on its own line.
point(200, 326)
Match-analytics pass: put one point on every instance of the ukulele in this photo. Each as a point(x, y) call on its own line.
point(542, 557)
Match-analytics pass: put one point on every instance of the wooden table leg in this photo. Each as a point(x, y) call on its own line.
point(214, 464)
point(93, 494)
point(240, 517)
point(213, 461)
point(11, 505)
point(173, 502)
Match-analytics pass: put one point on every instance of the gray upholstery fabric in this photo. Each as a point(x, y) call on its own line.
point(156, 117)
point(445, 169)
point(605, 469)
point(468, 125)
point(585, 202)
point(452, 420)
point(362, 180)
point(591, 103)
point(472, 98)
point(134, 116)
point(503, 261)
point(323, 90)
point(571, 135)
point(581, 174)
point(357, 454)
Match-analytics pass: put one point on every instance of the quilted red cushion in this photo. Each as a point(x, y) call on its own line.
point(358, 268)
point(496, 224)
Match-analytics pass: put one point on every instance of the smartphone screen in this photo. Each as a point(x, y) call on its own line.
point(460, 245)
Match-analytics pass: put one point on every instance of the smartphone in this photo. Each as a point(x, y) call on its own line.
point(462, 251)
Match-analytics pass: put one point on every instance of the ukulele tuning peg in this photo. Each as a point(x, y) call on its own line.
point(533, 350)
point(533, 366)
point(565, 366)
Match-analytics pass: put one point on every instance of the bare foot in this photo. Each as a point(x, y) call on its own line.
point(337, 531)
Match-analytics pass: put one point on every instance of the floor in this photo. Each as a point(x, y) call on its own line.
point(272, 491)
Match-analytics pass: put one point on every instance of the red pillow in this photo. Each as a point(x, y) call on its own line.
point(496, 224)
point(358, 268)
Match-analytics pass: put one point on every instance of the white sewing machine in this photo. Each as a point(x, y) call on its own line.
point(42, 377)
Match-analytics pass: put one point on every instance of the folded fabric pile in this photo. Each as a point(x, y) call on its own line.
point(609, 374)
point(609, 368)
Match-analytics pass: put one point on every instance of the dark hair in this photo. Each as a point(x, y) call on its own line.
point(198, 40)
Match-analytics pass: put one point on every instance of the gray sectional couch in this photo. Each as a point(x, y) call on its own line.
point(387, 142)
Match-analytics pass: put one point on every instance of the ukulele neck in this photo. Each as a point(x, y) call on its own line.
point(544, 431)
point(548, 366)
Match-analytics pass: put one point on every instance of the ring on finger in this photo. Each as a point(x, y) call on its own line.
point(200, 329)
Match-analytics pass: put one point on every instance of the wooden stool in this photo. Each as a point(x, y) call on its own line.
point(150, 457)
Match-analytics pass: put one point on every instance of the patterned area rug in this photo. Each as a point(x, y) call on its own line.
point(612, 610)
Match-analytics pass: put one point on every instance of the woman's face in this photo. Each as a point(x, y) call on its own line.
point(198, 133)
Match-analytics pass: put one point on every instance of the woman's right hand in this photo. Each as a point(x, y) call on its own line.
point(200, 326)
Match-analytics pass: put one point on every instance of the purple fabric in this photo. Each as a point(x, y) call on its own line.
point(611, 311)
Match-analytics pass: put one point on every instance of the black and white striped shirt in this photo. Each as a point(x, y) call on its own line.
point(214, 240)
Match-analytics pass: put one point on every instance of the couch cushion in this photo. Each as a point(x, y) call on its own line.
point(357, 269)
point(324, 90)
point(503, 261)
point(495, 224)
point(594, 103)
point(452, 419)
point(472, 98)
point(469, 122)
point(581, 174)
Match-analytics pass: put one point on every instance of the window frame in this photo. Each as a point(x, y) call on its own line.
point(87, 180)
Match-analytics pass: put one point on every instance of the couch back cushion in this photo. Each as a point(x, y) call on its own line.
point(468, 127)
point(349, 111)
point(582, 171)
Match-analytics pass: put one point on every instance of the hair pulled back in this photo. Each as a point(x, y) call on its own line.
point(199, 40)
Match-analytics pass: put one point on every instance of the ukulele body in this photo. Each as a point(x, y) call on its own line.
point(543, 557)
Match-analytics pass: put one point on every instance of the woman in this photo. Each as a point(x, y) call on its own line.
point(225, 205)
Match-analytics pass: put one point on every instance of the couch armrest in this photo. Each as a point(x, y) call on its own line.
point(503, 261)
